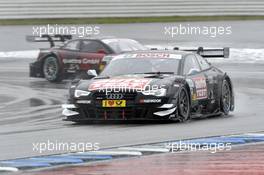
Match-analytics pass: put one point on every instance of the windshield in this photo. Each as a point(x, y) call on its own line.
point(141, 65)
point(124, 45)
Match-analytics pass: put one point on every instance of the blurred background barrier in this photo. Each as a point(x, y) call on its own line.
point(22, 9)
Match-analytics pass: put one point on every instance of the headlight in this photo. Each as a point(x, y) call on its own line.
point(80, 93)
point(157, 92)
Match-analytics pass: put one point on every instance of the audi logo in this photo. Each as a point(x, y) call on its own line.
point(114, 96)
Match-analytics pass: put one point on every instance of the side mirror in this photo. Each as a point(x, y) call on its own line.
point(101, 51)
point(193, 71)
point(226, 52)
point(92, 73)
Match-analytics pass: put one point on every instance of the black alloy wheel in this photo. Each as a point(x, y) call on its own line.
point(183, 106)
point(226, 97)
point(51, 69)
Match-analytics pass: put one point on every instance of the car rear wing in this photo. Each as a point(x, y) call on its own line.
point(209, 53)
point(49, 38)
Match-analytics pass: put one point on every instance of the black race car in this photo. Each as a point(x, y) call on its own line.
point(151, 85)
point(76, 56)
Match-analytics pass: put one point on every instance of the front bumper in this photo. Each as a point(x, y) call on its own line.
point(83, 112)
point(138, 107)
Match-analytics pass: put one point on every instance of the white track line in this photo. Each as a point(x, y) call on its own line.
point(162, 150)
point(113, 153)
point(29, 54)
point(12, 169)
point(254, 134)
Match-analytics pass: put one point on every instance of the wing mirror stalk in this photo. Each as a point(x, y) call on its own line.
point(92, 73)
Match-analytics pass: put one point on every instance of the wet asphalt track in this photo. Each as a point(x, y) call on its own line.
point(30, 113)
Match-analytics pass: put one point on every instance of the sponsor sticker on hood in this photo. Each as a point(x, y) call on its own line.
point(161, 55)
point(120, 83)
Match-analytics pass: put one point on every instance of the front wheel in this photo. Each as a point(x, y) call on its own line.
point(51, 69)
point(226, 97)
point(183, 106)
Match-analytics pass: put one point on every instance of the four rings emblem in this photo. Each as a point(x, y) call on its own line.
point(115, 96)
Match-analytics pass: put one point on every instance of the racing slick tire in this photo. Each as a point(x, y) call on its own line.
point(226, 97)
point(183, 111)
point(51, 69)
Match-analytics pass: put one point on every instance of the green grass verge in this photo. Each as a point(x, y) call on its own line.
point(124, 20)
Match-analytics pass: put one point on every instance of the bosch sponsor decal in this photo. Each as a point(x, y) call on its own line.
point(130, 83)
point(81, 61)
point(149, 55)
point(201, 87)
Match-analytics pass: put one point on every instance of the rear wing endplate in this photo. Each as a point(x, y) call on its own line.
point(49, 38)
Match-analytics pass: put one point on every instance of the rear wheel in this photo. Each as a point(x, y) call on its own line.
point(51, 69)
point(183, 106)
point(226, 97)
